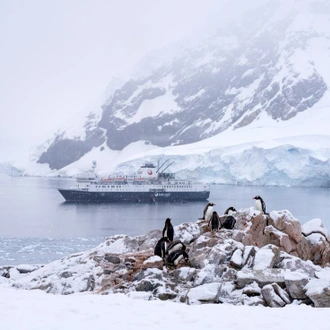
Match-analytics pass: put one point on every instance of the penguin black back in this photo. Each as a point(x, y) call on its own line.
point(229, 222)
point(168, 230)
point(160, 248)
point(214, 221)
point(174, 246)
point(175, 257)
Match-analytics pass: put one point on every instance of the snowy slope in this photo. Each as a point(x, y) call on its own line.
point(255, 89)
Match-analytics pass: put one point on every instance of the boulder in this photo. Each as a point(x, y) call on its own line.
point(236, 259)
point(271, 297)
point(255, 232)
point(261, 277)
point(280, 239)
point(295, 284)
point(206, 293)
point(318, 291)
point(286, 223)
point(266, 257)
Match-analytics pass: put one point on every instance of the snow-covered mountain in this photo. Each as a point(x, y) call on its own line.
point(248, 104)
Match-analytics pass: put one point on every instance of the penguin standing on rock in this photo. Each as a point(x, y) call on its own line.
point(261, 206)
point(175, 257)
point(214, 222)
point(160, 248)
point(168, 230)
point(208, 211)
point(175, 246)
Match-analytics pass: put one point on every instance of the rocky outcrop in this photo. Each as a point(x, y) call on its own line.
point(253, 264)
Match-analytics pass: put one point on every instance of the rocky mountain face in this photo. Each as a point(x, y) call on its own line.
point(263, 64)
point(270, 261)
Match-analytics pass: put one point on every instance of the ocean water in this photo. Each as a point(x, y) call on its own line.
point(37, 226)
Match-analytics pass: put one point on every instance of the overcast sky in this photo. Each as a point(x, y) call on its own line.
point(58, 56)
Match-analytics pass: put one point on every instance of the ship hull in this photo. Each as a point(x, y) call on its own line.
point(84, 196)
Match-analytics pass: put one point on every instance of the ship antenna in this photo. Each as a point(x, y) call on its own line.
point(167, 167)
point(159, 167)
point(94, 163)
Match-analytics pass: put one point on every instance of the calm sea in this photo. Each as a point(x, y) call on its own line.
point(37, 226)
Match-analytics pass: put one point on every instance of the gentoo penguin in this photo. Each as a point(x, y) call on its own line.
point(230, 210)
point(176, 256)
point(174, 246)
point(208, 211)
point(168, 230)
point(160, 248)
point(214, 221)
point(229, 221)
point(260, 204)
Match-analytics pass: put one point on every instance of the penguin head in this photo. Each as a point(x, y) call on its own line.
point(167, 221)
point(257, 197)
point(211, 204)
point(230, 209)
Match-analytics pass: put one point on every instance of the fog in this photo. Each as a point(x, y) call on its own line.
point(58, 57)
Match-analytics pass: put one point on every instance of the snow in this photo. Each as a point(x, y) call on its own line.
point(203, 292)
point(248, 92)
point(153, 108)
point(315, 225)
point(263, 258)
point(197, 95)
point(237, 257)
point(20, 309)
point(152, 259)
point(316, 286)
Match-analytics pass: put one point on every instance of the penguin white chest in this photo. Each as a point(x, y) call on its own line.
point(208, 213)
point(179, 258)
point(258, 205)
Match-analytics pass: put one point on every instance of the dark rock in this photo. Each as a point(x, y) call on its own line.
point(147, 285)
point(112, 258)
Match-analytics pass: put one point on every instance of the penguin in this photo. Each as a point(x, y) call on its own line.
point(160, 247)
point(230, 210)
point(175, 257)
point(168, 230)
point(214, 221)
point(230, 221)
point(175, 246)
point(208, 211)
point(260, 204)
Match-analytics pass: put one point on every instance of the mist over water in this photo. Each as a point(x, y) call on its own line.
point(37, 226)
